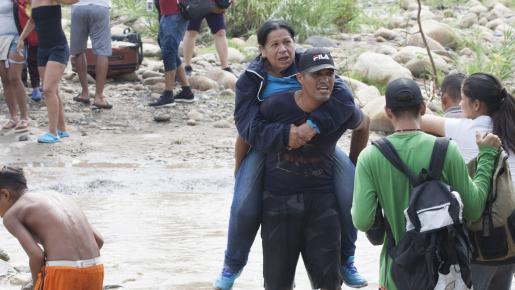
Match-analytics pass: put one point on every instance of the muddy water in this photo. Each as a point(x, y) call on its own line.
point(163, 228)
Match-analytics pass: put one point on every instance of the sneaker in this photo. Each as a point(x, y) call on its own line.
point(185, 96)
point(36, 95)
point(350, 274)
point(63, 134)
point(163, 102)
point(48, 138)
point(188, 69)
point(226, 279)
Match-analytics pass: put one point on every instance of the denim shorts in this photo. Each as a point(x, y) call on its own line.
point(12, 50)
point(58, 53)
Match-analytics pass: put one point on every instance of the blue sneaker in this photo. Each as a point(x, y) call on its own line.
point(48, 138)
point(36, 95)
point(350, 274)
point(63, 134)
point(226, 279)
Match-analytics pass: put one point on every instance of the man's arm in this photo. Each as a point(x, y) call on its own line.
point(365, 199)
point(19, 231)
point(433, 124)
point(359, 139)
point(98, 238)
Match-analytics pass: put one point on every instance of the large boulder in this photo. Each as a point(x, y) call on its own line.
point(225, 79)
point(386, 49)
point(468, 20)
point(378, 119)
point(203, 83)
point(416, 40)
point(151, 50)
point(411, 52)
point(441, 32)
point(368, 94)
point(320, 41)
point(379, 68)
point(417, 61)
point(235, 56)
point(387, 34)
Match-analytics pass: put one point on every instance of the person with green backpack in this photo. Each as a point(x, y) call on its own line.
point(379, 183)
point(487, 107)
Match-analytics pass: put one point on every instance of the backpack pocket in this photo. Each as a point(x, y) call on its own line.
point(494, 246)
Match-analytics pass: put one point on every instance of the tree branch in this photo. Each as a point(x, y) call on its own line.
point(435, 73)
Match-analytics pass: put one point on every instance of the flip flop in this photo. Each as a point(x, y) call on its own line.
point(23, 126)
point(81, 100)
point(11, 124)
point(105, 105)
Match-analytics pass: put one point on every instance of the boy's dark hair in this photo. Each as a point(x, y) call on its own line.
point(271, 25)
point(13, 179)
point(451, 85)
point(411, 111)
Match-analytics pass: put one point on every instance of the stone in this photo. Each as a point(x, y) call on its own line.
point(22, 138)
point(191, 122)
point(162, 118)
point(151, 50)
point(380, 39)
point(225, 79)
point(238, 41)
point(157, 88)
point(424, 14)
point(320, 41)
point(203, 83)
point(379, 68)
point(416, 40)
point(468, 20)
point(501, 9)
point(222, 124)
point(504, 28)
point(478, 9)
point(4, 256)
point(378, 119)
point(153, 81)
point(130, 77)
point(6, 269)
point(151, 74)
point(441, 32)
point(367, 94)
point(195, 115)
point(228, 93)
point(234, 55)
point(467, 51)
point(252, 41)
point(411, 52)
point(387, 34)
point(140, 25)
point(250, 53)
point(386, 49)
point(494, 23)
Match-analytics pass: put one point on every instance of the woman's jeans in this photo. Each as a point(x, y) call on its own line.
point(245, 216)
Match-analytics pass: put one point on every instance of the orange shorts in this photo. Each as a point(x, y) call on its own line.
point(71, 278)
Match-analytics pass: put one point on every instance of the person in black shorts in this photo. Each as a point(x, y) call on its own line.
point(300, 211)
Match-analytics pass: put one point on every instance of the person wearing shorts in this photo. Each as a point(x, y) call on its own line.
point(11, 64)
point(53, 55)
point(216, 23)
point(90, 18)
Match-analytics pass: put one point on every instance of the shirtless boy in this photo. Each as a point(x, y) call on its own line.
point(70, 253)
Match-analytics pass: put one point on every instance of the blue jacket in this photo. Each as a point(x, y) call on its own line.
point(271, 137)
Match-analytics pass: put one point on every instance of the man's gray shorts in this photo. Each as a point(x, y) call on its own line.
point(93, 21)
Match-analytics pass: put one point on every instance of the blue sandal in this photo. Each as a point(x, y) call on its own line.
point(48, 138)
point(63, 134)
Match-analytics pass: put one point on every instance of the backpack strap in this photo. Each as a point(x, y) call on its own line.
point(438, 157)
point(389, 152)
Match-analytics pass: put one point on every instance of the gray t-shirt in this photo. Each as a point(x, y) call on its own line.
point(7, 25)
point(105, 3)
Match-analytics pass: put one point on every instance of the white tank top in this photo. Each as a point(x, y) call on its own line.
point(7, 25)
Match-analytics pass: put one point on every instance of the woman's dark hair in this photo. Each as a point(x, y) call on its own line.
point(13, 179)
point(500, 105)
point(271, 25)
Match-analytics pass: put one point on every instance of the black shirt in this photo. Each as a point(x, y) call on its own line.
point(308, 169)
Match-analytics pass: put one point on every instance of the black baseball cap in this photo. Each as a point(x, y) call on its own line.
point(403, 93)
point(315, 59)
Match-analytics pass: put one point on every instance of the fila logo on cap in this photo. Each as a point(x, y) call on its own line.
point(321, 56)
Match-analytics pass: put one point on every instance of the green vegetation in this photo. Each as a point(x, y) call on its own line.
point(443, 4)
point(135, 11)
point(497, 59)
point(306, 16)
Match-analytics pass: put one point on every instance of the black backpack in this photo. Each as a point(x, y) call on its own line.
point(196, 9)
point(132, 37)
point(435, 252)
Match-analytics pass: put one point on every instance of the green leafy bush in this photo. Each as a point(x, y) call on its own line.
point(307, 17)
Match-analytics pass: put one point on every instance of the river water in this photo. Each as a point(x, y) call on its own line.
point(164, 228)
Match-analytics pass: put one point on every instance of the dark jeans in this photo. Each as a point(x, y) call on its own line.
point(492, 277)
point(246, 207)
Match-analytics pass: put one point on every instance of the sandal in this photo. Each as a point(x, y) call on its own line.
point(105, 105)
point(11, 124)
point(23, 125)
point(81, 100)
point(48, 138)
